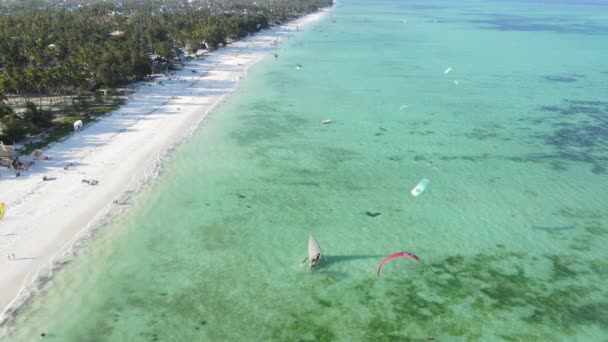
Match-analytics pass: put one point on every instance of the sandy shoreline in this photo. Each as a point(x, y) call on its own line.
point(122, 151)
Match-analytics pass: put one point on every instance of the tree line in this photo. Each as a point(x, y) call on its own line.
point(74, 47)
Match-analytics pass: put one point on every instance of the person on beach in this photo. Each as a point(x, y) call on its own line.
point(9, 256)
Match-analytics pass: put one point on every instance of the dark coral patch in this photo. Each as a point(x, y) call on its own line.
point(564, 79)
point(551, 108)
point(507, 22)
point(580, 134)
point(429, 302)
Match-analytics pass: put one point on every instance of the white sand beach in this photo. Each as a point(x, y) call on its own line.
point(122, 152)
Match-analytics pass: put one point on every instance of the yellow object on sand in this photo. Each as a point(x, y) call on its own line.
point(2, 207)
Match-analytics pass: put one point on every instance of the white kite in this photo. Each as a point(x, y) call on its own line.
point(447, 70)
point(420, 187)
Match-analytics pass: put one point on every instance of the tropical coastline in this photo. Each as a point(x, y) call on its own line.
point(121, 152)
point(446, 162)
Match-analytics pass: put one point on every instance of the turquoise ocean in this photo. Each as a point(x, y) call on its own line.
point(512, 232)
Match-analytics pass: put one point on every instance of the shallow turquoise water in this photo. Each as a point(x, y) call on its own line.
point(511, 231)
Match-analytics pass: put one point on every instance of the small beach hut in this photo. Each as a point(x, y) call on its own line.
point(78, 125)
point(7, 154)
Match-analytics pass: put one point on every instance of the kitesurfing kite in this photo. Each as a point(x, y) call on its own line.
point(447, 70)
point(2, 207)
point(402, 107)
point(298, 67)
point(395, 256)
point(314, 252)
point(420, 187)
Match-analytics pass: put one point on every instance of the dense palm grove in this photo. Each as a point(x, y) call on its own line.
point(71, 47)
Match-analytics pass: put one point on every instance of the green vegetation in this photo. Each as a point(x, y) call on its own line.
point(74, 48)
point(64, 125)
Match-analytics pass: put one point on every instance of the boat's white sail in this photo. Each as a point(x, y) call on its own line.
point(314, 251)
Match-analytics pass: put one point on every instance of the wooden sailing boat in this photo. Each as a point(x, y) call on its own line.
point(314, 252)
